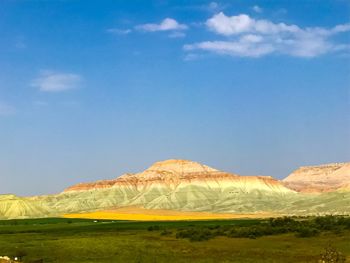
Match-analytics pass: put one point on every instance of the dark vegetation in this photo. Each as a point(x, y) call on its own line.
point(300, 227)
point(283, 239)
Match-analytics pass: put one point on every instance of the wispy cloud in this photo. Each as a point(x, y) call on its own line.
point(177, 34)
point(168, 24)
point(257, 9)
point(216, 7)
point(6, 109)
point(211, 7)
point(191, 57)
point(51, 81)
point(248, 37)
point(119, 31)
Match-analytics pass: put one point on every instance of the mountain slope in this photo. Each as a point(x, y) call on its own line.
point(322, 178)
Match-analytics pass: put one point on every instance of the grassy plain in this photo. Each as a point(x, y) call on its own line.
point(83, 240)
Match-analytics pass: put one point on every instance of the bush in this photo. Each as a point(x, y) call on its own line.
point(214, 227)
point(282, 222)
point(274, 226)
point(331, 255)
point(153, 228)
point(195, 234)
point(307, 232)
point(326, 222)
point(256, 231)
point(165, 233)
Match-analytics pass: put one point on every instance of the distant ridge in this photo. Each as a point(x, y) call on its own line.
point(321, 178)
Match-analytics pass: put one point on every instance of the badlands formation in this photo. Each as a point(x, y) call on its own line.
point(322, 178)
point(181, 185)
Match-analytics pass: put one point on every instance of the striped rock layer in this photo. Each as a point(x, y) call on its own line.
point(174, 174)
point(318, 179)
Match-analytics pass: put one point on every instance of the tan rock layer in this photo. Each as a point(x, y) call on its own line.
point(322, 178)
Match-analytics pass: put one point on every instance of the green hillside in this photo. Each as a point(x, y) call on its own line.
point(188, 198)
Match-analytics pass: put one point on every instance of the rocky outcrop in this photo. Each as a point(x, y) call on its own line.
point(321, 178)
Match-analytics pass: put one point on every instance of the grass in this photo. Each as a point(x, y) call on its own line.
point(77, 240)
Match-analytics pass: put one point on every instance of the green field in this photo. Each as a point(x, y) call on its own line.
point(71, 240)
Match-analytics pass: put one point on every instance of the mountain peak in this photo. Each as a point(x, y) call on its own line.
point(180, 166)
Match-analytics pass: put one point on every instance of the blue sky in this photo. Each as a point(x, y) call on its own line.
point(93, 89)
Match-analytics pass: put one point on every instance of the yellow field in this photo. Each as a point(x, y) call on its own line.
point(141, 214)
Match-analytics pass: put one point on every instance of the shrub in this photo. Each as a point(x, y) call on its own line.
point(214, 227)
point(195, 234)
point(153, 228)
point(165, 233)
point(331, 255)
point(307, 232)
point(282, 222)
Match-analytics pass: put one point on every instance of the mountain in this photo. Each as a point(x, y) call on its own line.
point(176, 174)
point(323, 178)
point(184, 186)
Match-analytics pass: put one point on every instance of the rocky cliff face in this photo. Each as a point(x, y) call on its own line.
point(322, 178)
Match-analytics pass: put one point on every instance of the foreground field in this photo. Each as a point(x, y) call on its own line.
point(70, 240)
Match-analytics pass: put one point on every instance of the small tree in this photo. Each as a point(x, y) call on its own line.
point(331, 255)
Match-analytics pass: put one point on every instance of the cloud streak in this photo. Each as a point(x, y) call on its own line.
point(168, 24)
point(119, 31)
point(245, 36)
point(50, 81)
point(257, 9)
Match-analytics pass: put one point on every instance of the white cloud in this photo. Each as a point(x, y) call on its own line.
point(226, 25)
point(257, 9)
point(6, 110)
point(340, 28)
point(50, 81)
point(119, 31)
point(244, 47)
point(248, 37)
point(168, 24)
